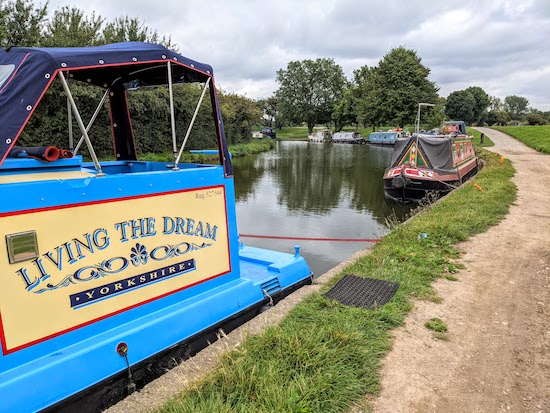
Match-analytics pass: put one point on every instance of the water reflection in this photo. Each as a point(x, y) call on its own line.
point(303, 189)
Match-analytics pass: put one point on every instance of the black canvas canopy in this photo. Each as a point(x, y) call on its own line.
point(436, 151)
point(27, 73)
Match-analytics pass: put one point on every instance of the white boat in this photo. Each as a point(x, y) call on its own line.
point(321, 136)
point(348, 137)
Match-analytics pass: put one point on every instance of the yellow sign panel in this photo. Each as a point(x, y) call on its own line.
point(99, 259)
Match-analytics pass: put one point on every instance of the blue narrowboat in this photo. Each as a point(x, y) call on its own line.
point(113, 270)
point(387, 138)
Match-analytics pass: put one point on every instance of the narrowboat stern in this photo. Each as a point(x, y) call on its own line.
point(110, 270)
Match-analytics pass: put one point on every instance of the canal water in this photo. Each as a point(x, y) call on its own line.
point(314, 190)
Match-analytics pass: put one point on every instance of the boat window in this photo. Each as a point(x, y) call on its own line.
point(5, 73)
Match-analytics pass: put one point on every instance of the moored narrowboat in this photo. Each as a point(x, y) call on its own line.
point(348, 137)
point(430, 164)
point(387, 137)
point(322, 136)
point(114, 270)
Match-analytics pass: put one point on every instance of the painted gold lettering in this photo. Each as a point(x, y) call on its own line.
point(104, 290)
point(153, 275)
point(118, 286)
point(90, 294)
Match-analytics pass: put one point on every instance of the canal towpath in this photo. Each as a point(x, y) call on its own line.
point(497, 357)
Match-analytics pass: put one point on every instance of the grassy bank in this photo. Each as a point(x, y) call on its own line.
point(477, 139)
point(536, 137)
point(325, 357)
point(242, 149)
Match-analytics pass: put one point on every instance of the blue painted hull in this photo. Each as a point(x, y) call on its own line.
point(43, 368)
point(383, 138)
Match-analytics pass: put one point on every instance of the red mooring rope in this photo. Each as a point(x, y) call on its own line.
point(312, 239)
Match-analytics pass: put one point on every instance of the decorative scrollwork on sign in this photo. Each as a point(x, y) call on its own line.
point(139, 255)
point(88, 273)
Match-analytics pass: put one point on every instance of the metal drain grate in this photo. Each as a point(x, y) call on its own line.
point(362, 292)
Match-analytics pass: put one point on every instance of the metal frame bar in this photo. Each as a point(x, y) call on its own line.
point(191, 124)
point(92, 120)
point(80, 124)
point(172, 115)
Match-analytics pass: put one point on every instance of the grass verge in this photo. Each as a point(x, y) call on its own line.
point(241, 149)
point(536, 137)
point(325, 357)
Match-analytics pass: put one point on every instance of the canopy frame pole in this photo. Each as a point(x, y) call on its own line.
point(70, 124)
point(172, 114)
point(81, 124)
point(92, 120)
point(191, 124)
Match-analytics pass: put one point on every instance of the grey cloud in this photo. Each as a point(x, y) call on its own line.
point(498, 45)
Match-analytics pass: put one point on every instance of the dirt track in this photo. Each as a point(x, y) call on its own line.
point(497, 358)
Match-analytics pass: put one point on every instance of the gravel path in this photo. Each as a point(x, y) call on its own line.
point(497, 358)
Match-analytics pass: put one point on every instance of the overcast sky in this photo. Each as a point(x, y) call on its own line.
point(503, 46)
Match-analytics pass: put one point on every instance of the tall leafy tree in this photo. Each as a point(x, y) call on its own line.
point(516, 106)
point(21, 23)
point(309, 90)
point(363, 88)
point(461, 106)
point(69, 27)
point(495, 103)
point(344, 111)
point(482, 102)
point(498, 117)
point(396, 86)
point(126, 29)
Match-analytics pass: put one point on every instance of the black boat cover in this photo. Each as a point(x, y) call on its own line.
point(437, 151)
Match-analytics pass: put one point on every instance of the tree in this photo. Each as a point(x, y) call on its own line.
point(395, 87)
point(461, 106)
point(482, 102)
point(344, 111)
point(270, 107)
point(309, 90)
point(21, 24)
point(498, 117)
point(126, 29)
point(366, 111)
point(536, 117)
point(495, 103)
point(516, 106)
point(69, 27)
point(433, 117)
point(239, 114)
